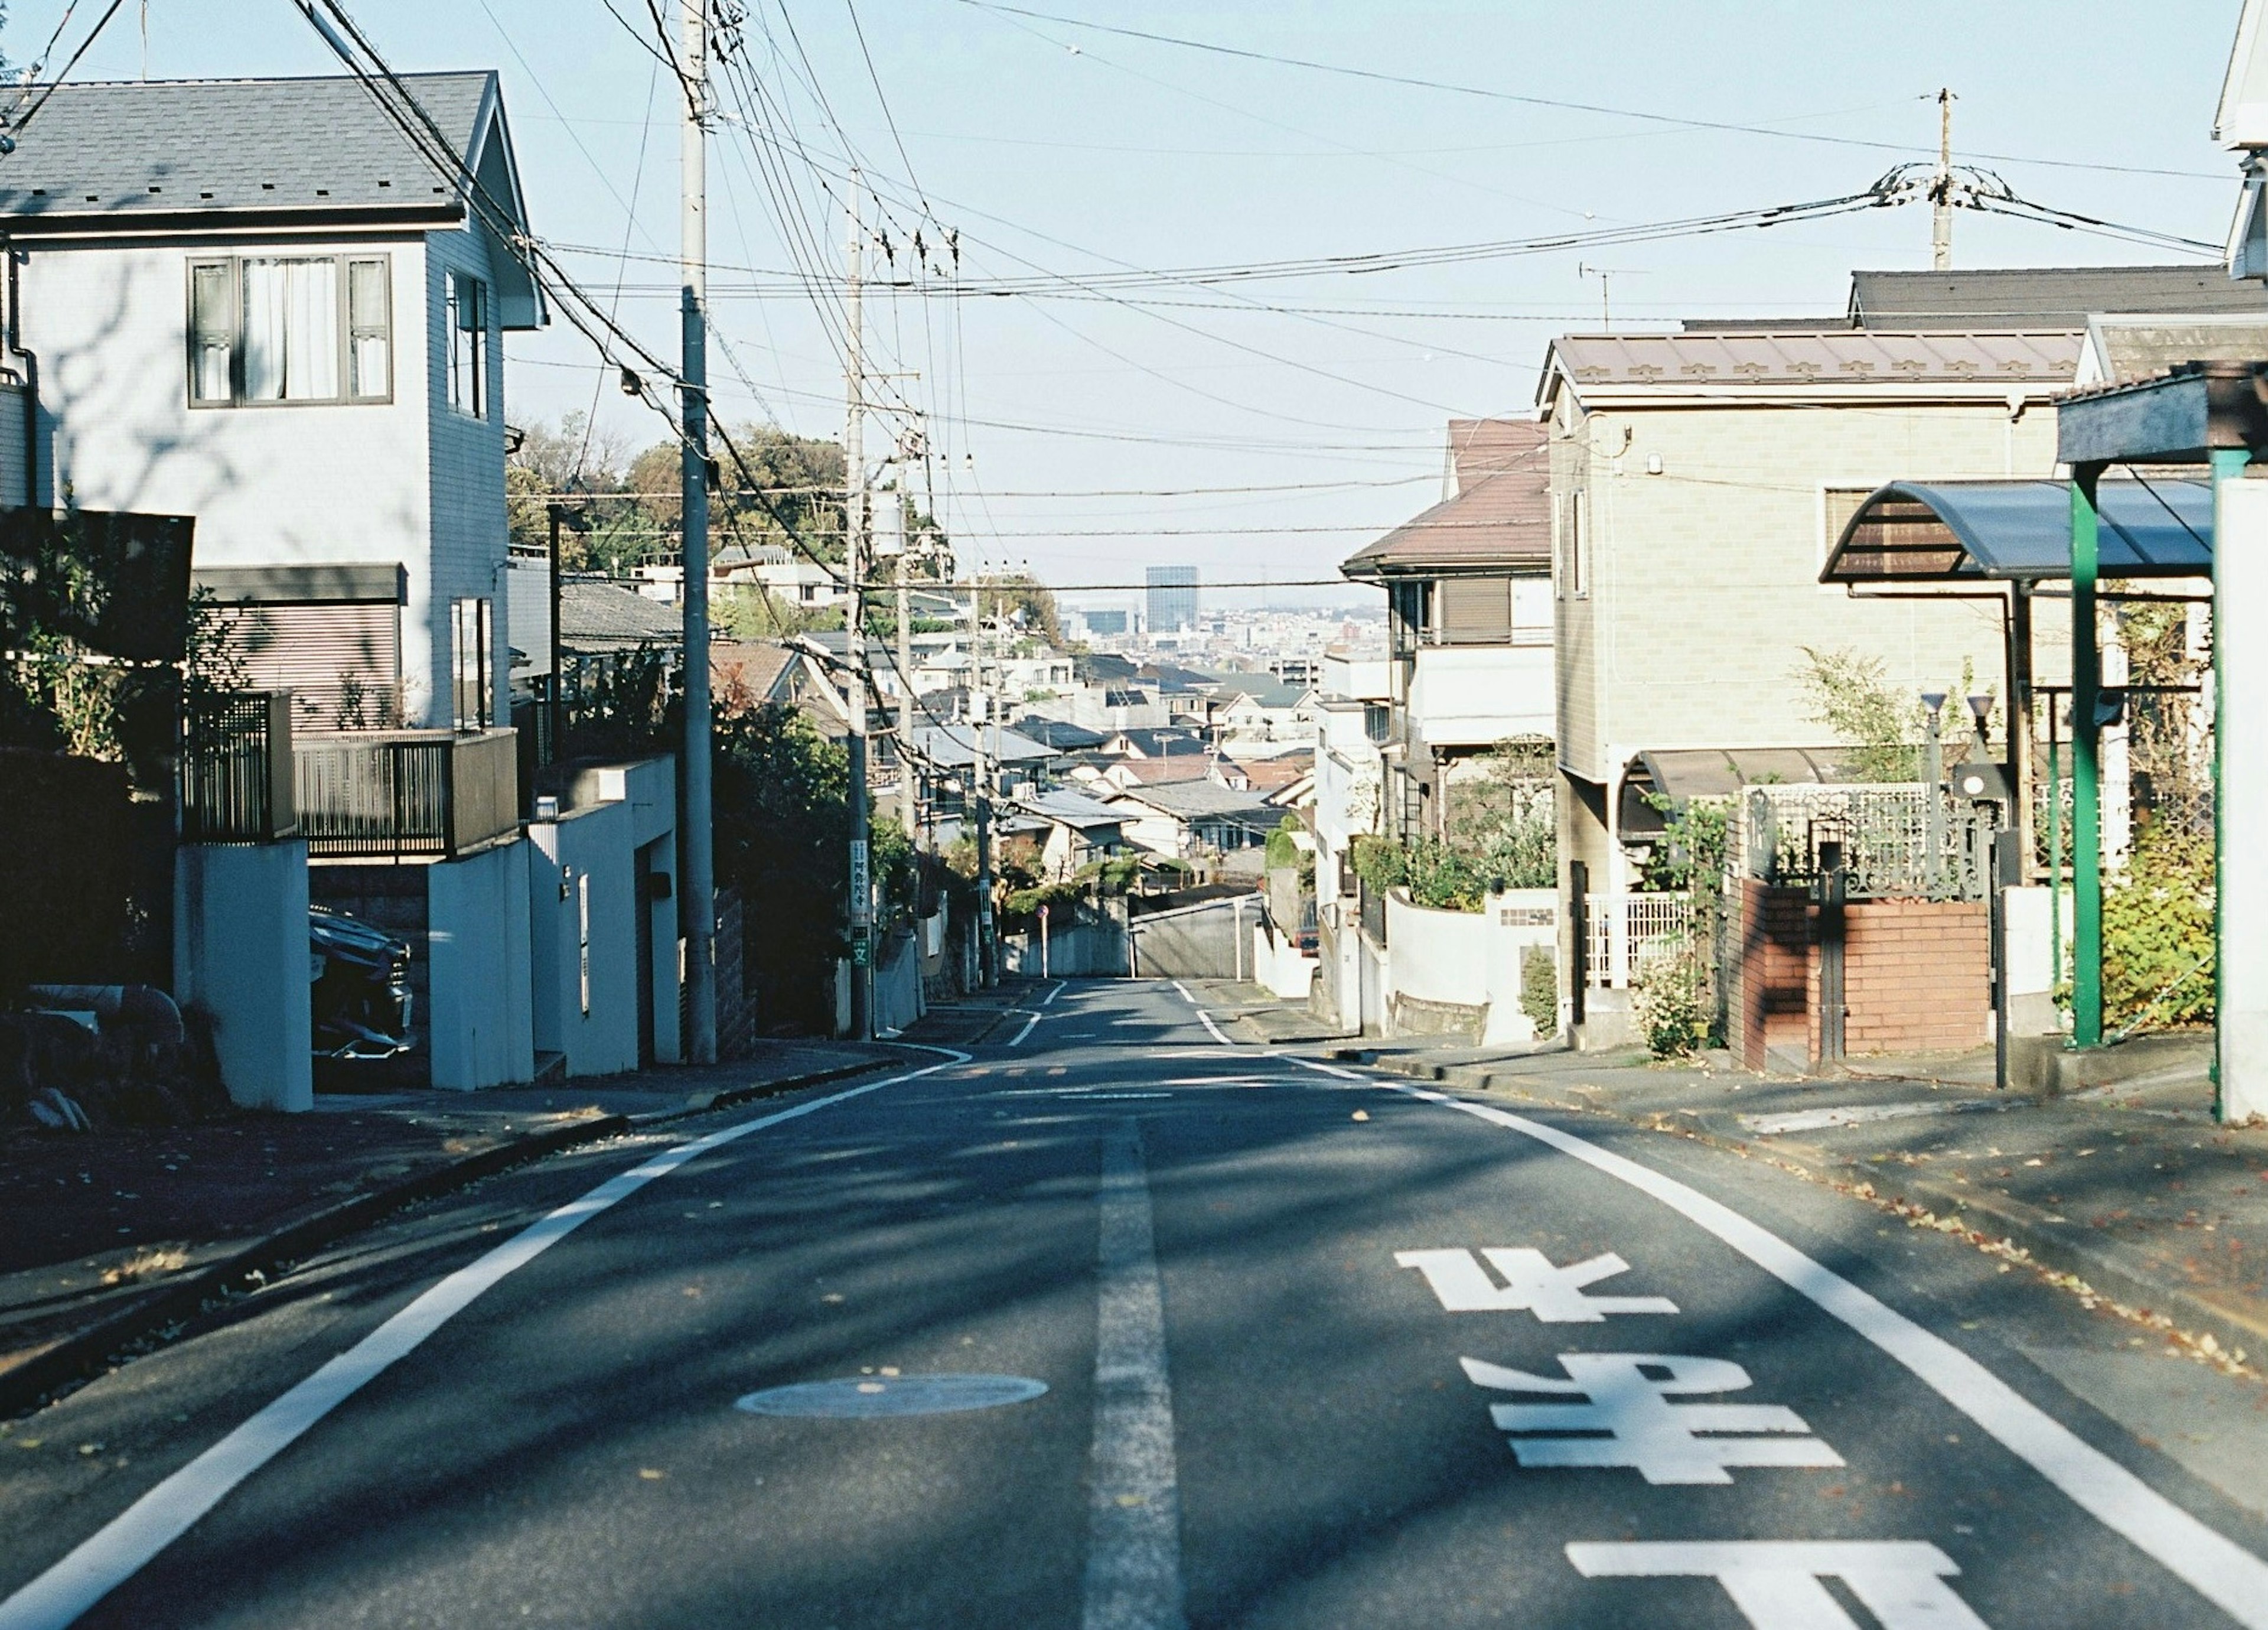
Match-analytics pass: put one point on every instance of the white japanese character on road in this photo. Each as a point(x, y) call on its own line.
point(1626, 1419)
point(1776, 1583)
point(1532, 1285)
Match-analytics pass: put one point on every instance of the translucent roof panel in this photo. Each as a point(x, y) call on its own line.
point(1949, 531)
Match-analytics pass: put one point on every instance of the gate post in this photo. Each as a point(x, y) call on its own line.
point(1578, 934)
point(1834, 1008)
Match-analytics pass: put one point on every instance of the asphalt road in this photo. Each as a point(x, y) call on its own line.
point(1231, 1337)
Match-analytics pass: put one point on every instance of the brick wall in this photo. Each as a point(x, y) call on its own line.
point(1769, 995)
point(1916, 976)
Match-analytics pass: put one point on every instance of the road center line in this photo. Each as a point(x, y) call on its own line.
point(2219, 1569)
point(1134, 1526)
point(121, 1547)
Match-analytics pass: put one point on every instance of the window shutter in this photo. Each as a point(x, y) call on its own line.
point(324, 656)
point(1475, 611)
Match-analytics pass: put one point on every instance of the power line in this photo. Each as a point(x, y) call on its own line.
point(1679, 121)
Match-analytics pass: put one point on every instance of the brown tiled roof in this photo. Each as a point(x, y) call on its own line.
point(1812, 362)
point(1500, 519)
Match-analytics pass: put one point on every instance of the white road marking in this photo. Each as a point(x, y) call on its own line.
point(1532, 1285)
point(1098, 1097)
point(120, 1548)
point(1049, 999)
point(1134, 1526)
point(1775, 1583)
point(1019, 1039)
point(1184, 990)
point(1631, 1422)
point(1207, 1019)
point(2215, 1566)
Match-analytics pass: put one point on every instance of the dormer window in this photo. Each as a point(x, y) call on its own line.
point(289, 330)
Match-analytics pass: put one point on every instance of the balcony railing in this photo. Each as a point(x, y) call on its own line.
point(234, 776)
point(405, 795)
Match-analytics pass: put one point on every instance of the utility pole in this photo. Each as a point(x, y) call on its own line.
point(696, 878)
point(1941, 188)
point(908, 798)
point(980, 774)
point(854, 532)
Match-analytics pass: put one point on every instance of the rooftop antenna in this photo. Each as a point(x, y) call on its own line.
point(1940, 188)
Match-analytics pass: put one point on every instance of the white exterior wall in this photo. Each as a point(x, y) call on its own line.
point(277, 485)
point(647, 790)
point(588, 852)
point(1476, 696)
point(480, 1025)
point(1357, 678)
point(240, 954)
point(407, 480)
point(1703, 580)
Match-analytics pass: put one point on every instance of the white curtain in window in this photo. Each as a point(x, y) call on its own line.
point(291, 330)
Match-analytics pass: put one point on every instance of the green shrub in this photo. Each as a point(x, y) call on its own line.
point(1671, 1002)
point(1539, 988)
point(2157, 933)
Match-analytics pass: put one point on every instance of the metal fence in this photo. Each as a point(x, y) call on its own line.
point(1883, 830)
point(1622, 932)
point(233, 779)
point(405, 795)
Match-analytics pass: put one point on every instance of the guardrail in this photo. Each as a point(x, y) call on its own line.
point(405, 795)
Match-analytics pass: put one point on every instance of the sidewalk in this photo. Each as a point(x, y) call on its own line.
point(98, 1231)
point(1260, 1014)
point(2132, 1189)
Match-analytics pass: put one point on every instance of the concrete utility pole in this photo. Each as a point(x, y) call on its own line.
point(1941, 188)
point(695, 866)
point(854, 532)
point(981, 776)
point(908, 798)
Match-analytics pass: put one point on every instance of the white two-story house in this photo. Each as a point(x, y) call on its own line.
point(259, 303)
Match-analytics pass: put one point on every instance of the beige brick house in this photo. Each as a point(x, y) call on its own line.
point(1697, 480)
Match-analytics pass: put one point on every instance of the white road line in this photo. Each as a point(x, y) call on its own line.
point(1018, 1040)
point(1049, 999)
point(1134, 1525)
point(120, 1548)
point(2219, 1569)
point(1184, 990)
point(1214, 1029)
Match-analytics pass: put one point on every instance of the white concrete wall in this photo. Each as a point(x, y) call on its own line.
point(240, 954)
point(586, 860)
point(647, 790)
point(1476, 696)
point(2240, 611)
point(1356, 679)
point(1279, 968)
point(480, 1026)
point(1468, 958)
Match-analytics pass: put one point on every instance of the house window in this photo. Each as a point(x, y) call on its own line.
point(1579, 563)
point(1531, 610)
point(583, 937)
point(370, 330)
point(468, 344)
point(265, 330)
point(469, 656)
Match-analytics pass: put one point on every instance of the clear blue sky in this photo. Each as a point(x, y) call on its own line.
point(1125, 153)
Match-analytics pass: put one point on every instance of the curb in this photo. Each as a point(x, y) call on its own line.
point(2239, 1324)
point(108, 1343)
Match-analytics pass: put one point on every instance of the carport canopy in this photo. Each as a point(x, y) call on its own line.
point(2019, 531)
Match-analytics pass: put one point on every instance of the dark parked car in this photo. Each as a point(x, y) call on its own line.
point(359, 995)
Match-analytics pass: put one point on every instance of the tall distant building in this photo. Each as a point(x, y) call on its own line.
point(1105, 624)
point(1173, 595)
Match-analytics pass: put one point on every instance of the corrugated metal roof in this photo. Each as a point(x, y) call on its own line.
point(1812, 361)
point(2042, 297)
point(143, 152)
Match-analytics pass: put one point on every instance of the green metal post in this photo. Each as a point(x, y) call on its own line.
point(2085, 765)
point(2228, 465)
point(2055, 849)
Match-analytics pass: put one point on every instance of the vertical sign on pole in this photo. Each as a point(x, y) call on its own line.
point(2240, 724)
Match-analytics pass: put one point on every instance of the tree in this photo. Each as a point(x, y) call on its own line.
point(1849, 697)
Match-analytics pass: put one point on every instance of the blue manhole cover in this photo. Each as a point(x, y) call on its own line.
point(859, 1397)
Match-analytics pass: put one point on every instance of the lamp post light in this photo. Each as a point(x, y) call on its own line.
point(1980, 709)
point(1933, 776)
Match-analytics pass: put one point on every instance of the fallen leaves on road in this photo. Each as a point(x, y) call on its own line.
point(1361, 1115)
